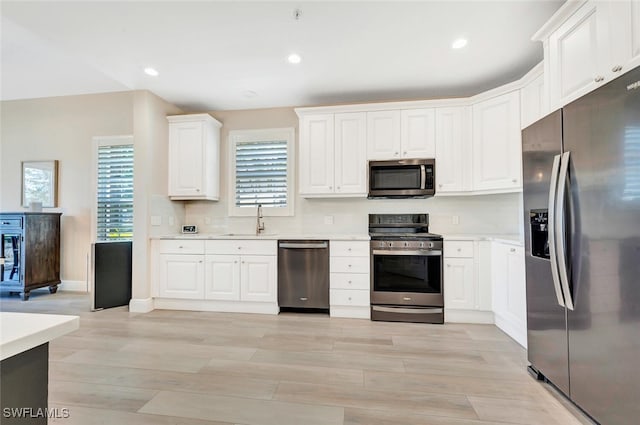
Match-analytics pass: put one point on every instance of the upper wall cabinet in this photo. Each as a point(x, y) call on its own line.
point(532, 101)
point(453, 150)
point(592, 46)
point(497, 144)
point(398, 134)
point(194, 157)
point(333, 155)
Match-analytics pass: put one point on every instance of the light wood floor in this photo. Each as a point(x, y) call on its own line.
point(197, 368)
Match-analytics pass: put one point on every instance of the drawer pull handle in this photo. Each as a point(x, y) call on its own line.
point(406, 298)
point(6, 223)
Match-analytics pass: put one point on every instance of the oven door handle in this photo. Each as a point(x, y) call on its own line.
point(423, 252)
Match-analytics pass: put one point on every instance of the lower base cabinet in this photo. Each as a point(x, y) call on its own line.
point(349, 293)
point(509, 294)
point(202, 275)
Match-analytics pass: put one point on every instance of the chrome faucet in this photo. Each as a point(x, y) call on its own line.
point(259, 222)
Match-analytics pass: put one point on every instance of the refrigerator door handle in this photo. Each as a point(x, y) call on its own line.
point(555, 169)
point(560, 230)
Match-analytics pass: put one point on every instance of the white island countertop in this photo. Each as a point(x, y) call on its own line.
point(269, 236)
point(20, 332)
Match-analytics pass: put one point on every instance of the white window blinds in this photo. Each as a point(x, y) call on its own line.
point(261, 173)
point(115, 193)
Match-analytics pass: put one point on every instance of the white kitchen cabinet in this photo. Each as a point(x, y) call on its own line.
point(418, 133)
point(396, 134)
point(350, 153)
point(258, 279)
point(453, 150)
point(333, 155)
point(178, 269)
point(316, 154)
point(460, 288)
point(497, 144)
point(532, 101)
point(222, 277)
point(509, 290)
point(383, 135)
point(467, 293)
point(194, 157)
point(349, 284)
point(594, 45)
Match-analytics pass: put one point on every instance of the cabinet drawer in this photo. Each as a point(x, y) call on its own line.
point(11, 222)
point(349, 249)
point(180, 247)
point(350, 281)
point(241, 247)
point(349, 265)
point(458, 249)
point(351, 297)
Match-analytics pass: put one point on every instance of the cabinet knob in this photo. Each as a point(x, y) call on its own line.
point(349, 265)
point(349, 282)
point(239, 247)
point(599, 78)
point(348, 249)
point(395, 153)
point(180, 247)
point(404, 153)
point(459, 249)
point(448, 265)
point(617, 68)
point(243, 262)
point(513, 250)
point(514, 180)
point(197, 190)
point(200, 261)
point(349, 298)
point(330, 187)
point(235, 262)
point(440, 185)
point(337, 187)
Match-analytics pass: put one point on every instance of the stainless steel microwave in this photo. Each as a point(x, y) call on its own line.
point(403, 178)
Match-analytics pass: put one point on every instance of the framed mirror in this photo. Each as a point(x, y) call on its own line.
point(40, 183)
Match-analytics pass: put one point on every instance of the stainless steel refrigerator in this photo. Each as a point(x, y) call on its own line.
point(581, 173)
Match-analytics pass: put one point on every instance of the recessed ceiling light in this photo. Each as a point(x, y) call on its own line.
point(151, 71)
point(459, 43)
point(294, 58)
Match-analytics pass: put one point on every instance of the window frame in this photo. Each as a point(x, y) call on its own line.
point(97, 143)
point(262, 135)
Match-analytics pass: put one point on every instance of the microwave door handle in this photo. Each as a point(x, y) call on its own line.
point(423, 176)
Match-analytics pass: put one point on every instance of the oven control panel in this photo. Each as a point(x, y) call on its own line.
point(408, 245)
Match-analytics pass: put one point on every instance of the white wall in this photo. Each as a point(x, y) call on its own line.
point(494, 214)
point(61, 128)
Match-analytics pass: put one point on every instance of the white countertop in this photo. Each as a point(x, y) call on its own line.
point(20, 332)
point(514, 239)
point(269, 236)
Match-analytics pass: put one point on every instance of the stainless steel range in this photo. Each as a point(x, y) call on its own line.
point(406, 269)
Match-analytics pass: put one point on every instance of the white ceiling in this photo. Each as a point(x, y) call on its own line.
point(215, 55)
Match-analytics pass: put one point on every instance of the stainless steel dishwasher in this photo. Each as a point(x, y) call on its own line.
point(303, 274)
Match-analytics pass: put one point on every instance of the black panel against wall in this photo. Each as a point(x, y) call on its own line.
point(112, 274)
point(24, 387)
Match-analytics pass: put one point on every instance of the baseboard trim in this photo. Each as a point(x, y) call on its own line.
point(217, 306)
point(141, 305)
point(468, 316)
point(74, 285)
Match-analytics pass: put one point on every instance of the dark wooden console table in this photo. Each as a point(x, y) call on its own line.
point(29, 251)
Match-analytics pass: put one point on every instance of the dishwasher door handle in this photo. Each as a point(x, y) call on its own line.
point(304, 245)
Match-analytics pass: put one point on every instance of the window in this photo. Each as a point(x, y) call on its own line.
point(261, 171)
point(114, 189)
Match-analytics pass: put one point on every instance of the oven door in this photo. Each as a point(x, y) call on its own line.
point(406, 277)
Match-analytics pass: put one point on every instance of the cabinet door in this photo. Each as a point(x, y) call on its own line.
point(418, 134)
point(496, 144)
point(383, 135)
point(459, 285)
point(258, 278)
point(453, 153)
point(573, 56)
point(181, 276)
point(532, 102)
point(623, 31)
point(316, 154)
point(222, 277)
point(509, 291)
point(186, 159)
point(350, 153)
